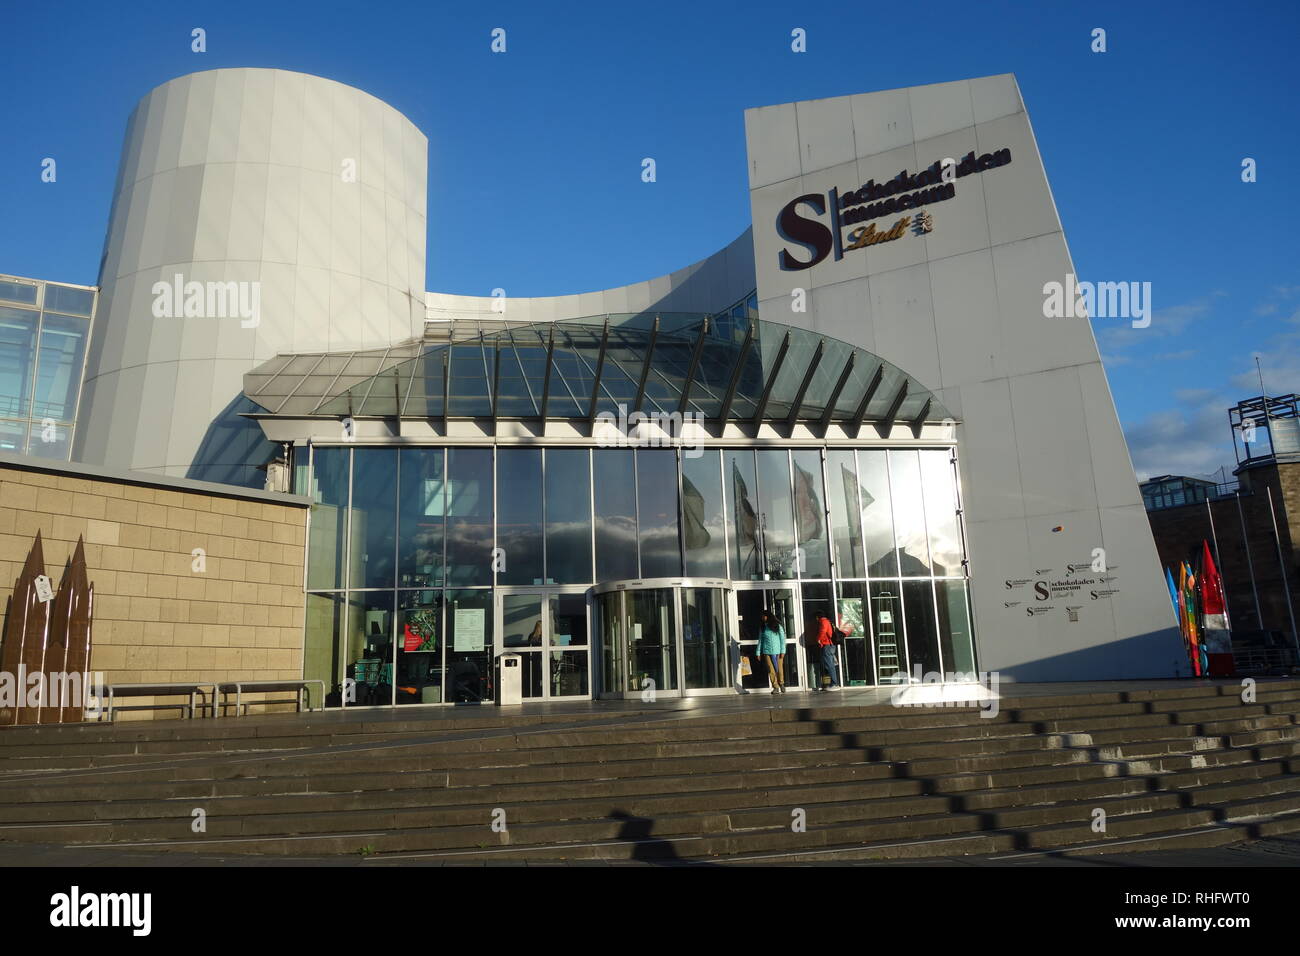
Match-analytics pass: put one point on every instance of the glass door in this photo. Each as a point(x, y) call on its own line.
point(568, 656)
point(651, 640)
point(548, 630)
point(706, 658)
point(782, 604)
point(522, 632)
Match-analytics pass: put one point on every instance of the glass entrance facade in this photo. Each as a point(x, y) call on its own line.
point(425, 563)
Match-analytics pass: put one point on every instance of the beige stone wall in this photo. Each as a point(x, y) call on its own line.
point(156, 618)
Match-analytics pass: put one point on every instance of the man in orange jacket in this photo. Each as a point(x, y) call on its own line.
point(822, 634)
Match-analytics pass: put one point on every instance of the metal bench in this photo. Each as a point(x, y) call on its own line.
point(114, 691)
point(271, 686)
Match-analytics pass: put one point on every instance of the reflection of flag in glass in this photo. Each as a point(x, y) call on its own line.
point(807, 505)
point(849, 480)
point(746, 518)
point(697, 535)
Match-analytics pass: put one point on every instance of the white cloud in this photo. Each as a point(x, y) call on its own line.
point(1182, 441)
point(1165, 323)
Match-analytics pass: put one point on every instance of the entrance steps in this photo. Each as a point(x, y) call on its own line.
point(789, 779)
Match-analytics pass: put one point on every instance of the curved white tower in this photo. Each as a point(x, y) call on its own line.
point(308, 196)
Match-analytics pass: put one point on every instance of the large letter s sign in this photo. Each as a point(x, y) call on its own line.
point(809, 233)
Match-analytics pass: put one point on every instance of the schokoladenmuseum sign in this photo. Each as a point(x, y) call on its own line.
point(870, 201)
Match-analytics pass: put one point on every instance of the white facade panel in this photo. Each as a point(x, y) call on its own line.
point(233, 169)
point(957, 300)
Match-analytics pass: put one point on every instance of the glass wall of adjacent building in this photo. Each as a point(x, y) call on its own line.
point(425, 563)
point(44, 329)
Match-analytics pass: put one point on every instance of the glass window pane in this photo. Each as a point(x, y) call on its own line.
point(420, 519)
point(704, 637)
point(568, 516)
point(329, 491)
point(954, 627)
point(887, 631)
point(742, 513)
point(519, 515)
point(24, 292)
point(419, 648)
point(877, 514)
point(937, 480)
point(568, 671)
point(859, 667)
point(615, 487)
point(321, 649)
point(471, 387)
point(58, 372)
point(374, 518)
point(469, 646)
point(702, 511)
point(846, 519)
point(776, 512)
point(50, 440)
point(656, 488)
point(370, 648)
point(13, 437)
point(17, 361)
point(922, 634)
point(613, 643)
point(810, 514)
point(469, 516)
point(909, 514)
point(61, 298)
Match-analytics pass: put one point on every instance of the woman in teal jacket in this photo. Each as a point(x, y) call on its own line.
point(771, 645)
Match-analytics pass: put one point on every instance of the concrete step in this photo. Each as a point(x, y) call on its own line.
point(870, 781)
point(1141, 749)
point(561, 801)
point(1019, 777)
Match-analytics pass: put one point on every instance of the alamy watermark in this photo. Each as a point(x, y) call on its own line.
point(1072, 299)
point(950, 689)
point(179, 299)
point(649, 430)
point(52, 689)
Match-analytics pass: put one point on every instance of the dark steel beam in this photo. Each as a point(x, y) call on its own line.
point(600, 367)
point(919, 420)
point(645, 366)
point(446, 385)
point(803, 386)
point(546, 380)
point(694, 366)
point(886, 423)
point(825, 422)
point(771, 379)
point(736, 372)
point(496, 379)
point(861, 414)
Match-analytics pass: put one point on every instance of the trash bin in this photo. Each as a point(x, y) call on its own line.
point(510, 682)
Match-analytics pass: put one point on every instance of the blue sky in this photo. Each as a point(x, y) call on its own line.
point(535, 155)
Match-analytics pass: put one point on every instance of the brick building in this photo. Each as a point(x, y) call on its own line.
point(161, 615)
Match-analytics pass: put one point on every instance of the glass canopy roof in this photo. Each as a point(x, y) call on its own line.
point(739, 370)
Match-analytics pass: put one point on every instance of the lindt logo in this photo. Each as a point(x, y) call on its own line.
point(871, 200)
